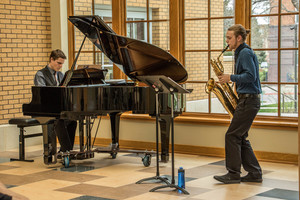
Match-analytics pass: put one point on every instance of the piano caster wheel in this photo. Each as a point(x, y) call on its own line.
point(147, 160)
point(66, 161)
point(113, 155)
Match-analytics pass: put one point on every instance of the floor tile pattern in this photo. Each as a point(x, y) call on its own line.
point(103, 178)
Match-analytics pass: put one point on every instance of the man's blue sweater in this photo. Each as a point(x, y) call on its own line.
point(246, 74)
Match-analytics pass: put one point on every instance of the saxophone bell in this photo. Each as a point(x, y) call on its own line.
point(224, 91)
point(221, 94)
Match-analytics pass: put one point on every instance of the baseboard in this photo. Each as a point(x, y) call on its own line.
point(199, 150)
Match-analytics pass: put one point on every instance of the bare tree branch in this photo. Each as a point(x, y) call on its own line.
point(259, 3)
point(296, 4)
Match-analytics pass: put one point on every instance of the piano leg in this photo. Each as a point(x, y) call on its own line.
point(49, 141)
point(81, 135)
point(88, 133)
point(115, 125)
point(165, 122)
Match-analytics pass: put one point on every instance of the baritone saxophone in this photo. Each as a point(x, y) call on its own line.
point(224, 92)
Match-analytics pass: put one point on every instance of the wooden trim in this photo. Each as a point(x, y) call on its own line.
point(224, 120)
point(298, 106)
point(208, 18)
point(247, 15)
point(275, 14)
point(145, 21)
point(148, 24)
point(118, 25)
point(71, 45)
point(279, 61)
point(181, 57)
point(198, 150)
point(240, 10)
point(174, 28)
point(263, 83)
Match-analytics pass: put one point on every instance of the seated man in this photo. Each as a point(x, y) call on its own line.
point(65, 130)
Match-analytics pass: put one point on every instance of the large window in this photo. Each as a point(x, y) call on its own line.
point(90, 55)
point(206, 23)
point(200, 28)
point(274, 38)
point(148, 20)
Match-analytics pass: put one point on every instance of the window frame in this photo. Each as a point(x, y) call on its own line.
point(209, 51)
point(279, 83)
point(176, 26)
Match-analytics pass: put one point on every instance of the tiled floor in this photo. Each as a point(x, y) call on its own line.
point(108, 179)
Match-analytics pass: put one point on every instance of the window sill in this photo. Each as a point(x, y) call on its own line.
point(224, 120)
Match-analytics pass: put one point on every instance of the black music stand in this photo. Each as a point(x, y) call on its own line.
point(163, 84)
point(157, 177)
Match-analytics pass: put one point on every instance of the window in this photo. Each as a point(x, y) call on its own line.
point(90, 55)
point(137, 30)
point(206, 23)
point(203, 25)
point(274, 38)
point(148, 20)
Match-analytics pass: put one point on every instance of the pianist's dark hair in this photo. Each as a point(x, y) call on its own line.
point(56, 54)
point(238, 29)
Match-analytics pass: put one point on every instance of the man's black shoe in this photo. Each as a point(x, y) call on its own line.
point(229, 178)
point(250, 177)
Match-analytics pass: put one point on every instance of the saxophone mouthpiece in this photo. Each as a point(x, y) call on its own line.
point(223, 51)
point(225, 48)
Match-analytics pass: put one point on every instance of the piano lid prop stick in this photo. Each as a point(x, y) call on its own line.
point(69, 75)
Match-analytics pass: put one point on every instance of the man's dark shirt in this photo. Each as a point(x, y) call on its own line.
point(246, 70)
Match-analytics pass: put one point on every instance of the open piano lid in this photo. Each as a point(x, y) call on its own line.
point(133, 57)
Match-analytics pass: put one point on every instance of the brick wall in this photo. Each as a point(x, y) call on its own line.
point(160, 30)
point(196, 38)
point(25, 43)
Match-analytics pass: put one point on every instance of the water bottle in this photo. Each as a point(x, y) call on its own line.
point(181, 179)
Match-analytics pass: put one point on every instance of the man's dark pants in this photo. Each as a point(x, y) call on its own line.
point(65, 131)
point(238, 149)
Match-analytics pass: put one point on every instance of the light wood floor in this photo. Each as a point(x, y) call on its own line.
point(106, 178)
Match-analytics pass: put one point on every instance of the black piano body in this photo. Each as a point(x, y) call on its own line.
point(81, 96)
point(101, 99)
point(77, 102)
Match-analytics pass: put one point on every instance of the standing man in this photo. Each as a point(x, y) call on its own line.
point(65, 130)
point(246, 77)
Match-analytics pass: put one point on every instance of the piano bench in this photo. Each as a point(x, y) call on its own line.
point(21, 124)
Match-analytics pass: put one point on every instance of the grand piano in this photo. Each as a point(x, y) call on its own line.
point(85, 94)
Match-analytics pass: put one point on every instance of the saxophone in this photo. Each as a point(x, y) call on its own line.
point(224, 92)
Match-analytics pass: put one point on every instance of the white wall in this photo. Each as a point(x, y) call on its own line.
point(9, 137)
point(280, 141)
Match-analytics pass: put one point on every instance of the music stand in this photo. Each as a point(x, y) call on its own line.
point(157, 177)
point(163, 84)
